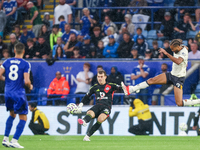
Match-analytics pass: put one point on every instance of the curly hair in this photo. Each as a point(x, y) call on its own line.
point(176, 42)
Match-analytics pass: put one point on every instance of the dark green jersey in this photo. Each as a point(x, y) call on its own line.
point(103, 93)
point(37, 20)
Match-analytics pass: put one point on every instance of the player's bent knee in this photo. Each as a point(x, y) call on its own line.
point(151, 81)
point(102, 118)
point(180, 104)
point(91, 113)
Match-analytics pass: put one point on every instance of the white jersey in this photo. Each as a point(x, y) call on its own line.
point(180, 70)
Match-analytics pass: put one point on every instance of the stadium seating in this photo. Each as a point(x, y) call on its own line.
point(42, 96)
point(145, 32)
point(191, 34)
point(160, 43)
point(152, 35)
point(185, 42)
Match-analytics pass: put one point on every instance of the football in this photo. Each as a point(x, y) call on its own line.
point(183, 126)
point(71, 108)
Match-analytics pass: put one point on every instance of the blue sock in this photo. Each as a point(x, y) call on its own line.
point(19, 130)
point(9, 124)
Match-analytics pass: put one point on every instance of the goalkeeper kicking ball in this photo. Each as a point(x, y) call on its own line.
point(72, 108)
point(183, 127)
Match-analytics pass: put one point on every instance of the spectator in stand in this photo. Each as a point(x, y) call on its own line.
point(195, 53)
point(2, 46)
point(94, 79)
point(96, 37)
point(139, 74)
point(110, 51)
point(190, 41)
point(138, 33)
point(58, 88)
point(26, 34)
point(21, 4)
point(115, 77)
point(46, 21)
point(119, 13)
point(10, 7)
point(85, 45)
point(68, 32)
point(100, 49)
point(30, 49)
point(182, 27)
point(167, 48)
point(71, 3)
point(17, 32)
point(110, 31)
point(185, 3)
point(62, 23)
point(141, 45)
point(155, 52)
point(160, 88)
point(128, 26)
point(58, 43)
point(166, 28)
point(43, 49)
point(76, 53)
point(125, 46)
point(84, 79)
point(134, 53)
point(13, 41)
point(197, 39)
point(106, 24)
point(59, 53)
point(2, 20)
point(36, 20)
point(54, 35)
point(45, 33)
point(87, 21)
point(62, 9)
point(148, 54)
point(197, 13)
point(107, 11)
point(137, 3)
point(92, 53)
point(69, 46)
point(6, 54)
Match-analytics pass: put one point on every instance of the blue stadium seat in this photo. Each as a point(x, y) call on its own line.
point(150, 45)
point(160, 43)
point(145, 33)
point(191, 34)
point(185, 42)
point(152, 35)
point(42, 96)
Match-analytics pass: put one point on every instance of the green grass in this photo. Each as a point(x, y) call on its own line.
point(109, 143)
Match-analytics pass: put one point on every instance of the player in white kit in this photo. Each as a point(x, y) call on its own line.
point(175, 77)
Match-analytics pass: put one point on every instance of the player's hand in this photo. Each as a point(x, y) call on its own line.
point(161, 50)
point(31, 87)
point(194, 127)
point(79, 111)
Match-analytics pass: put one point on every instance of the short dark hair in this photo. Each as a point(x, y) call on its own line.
point(165, 64)
point(76, 48)
point(166, 41)
point(100, 66)
point(17, 26)
point(41, 37)
point(61, 17)
point(87, 64)
point(19, 47)
point(33, 104)
point(139, 28)
point(187, 14)
point(102, 72)
point(155, 42)
point(30, 40)
point(176, 42)
point(127, 33)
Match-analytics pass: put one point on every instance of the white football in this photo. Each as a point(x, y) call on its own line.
point(183, 126)
point(71, 108)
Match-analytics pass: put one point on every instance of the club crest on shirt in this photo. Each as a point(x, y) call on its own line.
point(107, 88)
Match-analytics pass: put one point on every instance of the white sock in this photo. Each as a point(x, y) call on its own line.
point(6, 138)
point(191, 102)
point(142, 85)
point(14, 140)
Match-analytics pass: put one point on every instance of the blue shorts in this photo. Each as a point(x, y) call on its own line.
point(17, 102)
point(85, 31)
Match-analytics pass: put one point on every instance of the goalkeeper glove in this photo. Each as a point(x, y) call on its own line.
point(79, 110)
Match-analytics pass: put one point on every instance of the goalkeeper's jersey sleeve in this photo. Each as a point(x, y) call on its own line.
point(85, 99)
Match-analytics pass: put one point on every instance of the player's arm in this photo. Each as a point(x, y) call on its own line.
point(27, 80)
point(178, 61)
point(2, 70)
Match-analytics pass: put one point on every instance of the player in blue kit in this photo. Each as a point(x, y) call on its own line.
point(16, 76)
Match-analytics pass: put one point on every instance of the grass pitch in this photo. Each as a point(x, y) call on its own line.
point(108, 143)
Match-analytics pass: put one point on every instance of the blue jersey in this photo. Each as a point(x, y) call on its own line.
point(24, 38)
point(86, 21)
point(62, 26)
point(9, 6)
point(136, 71)
point(14, 74)
point(65, 35)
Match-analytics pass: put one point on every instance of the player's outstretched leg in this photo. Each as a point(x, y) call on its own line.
point(20, 127)
point(89, 116)
point(8, 128)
